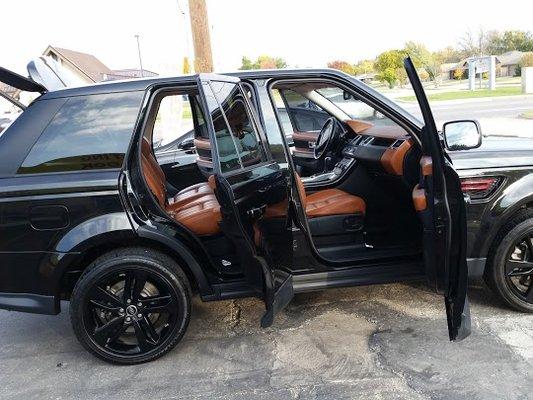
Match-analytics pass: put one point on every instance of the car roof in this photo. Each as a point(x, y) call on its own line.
point(141, 84)
point(138, 84)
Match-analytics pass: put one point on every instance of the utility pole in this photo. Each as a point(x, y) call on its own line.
point(203, 59)
point(140, 59)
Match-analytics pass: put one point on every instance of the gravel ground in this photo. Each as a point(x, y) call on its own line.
point(378, 342)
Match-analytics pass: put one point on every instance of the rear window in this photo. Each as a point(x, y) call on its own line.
point(87, 133)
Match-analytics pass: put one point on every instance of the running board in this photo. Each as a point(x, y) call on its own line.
point(282, 297)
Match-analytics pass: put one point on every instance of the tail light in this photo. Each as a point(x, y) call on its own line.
point(480, 187)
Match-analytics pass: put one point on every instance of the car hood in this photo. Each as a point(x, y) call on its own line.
point(496, 152)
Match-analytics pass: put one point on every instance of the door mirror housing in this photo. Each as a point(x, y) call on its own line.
point(461, 135)
point(187, 144)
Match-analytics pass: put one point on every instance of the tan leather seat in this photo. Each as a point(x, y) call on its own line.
point(196, 207)
point(191, 193)
point(322, 203)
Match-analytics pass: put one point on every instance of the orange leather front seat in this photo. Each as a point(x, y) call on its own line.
point(196, 207)
point(322, 203)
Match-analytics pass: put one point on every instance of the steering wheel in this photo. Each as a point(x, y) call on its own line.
point(325, 138)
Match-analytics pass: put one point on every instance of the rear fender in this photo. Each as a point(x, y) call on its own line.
point(514, 197)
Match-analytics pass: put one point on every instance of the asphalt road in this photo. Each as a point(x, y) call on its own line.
point(507, 107)
point(379, 342)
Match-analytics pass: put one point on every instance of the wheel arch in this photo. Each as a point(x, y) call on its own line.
point(499, 215)
point(72, 265)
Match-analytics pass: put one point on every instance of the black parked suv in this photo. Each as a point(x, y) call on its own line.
point(88, 214)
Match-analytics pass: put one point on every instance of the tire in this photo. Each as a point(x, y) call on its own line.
point(504, 245)
point(131, 306)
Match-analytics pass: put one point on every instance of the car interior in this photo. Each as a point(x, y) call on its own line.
point(357, 174)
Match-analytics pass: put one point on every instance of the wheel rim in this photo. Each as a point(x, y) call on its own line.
point(131, 312)
point(519, 269)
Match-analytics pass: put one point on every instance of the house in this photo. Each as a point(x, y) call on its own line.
point(509, 63)
point(84, 66)
point(88, 68)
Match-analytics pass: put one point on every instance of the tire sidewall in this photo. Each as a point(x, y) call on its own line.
point(100, 269)
point(499, 259)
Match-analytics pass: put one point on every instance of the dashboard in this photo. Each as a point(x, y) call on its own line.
point(381, 149)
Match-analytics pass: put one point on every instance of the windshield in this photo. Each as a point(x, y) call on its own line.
point(353, 107)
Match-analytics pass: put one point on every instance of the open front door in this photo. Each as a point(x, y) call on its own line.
point(440, 204)
point(248, 181)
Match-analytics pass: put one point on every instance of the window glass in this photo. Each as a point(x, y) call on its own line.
point(354, 107)
point(173, 123)
point(87, 133)
point(238, 144)
point(306, 115)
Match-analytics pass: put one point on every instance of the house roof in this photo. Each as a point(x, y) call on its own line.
point(87, 64)
point(129, 73)
point(511, 57)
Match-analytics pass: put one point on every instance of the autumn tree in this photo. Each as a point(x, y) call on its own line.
point(343, 66)
point(363, 67)
point(263, 62)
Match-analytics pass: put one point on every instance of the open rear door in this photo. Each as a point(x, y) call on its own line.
point(248, 181)
point(441, 206)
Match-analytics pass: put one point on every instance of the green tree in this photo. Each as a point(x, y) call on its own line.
point(430, 62)
point(510, 40)
point(389, 66)
point(343, 66)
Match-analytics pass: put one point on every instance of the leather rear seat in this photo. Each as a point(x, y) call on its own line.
point(195, 207)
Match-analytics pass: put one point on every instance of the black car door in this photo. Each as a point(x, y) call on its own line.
point(248, 181)
point(440, 204)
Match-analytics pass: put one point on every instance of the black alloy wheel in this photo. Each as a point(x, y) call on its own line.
point(509, 270)
point(519, 268)
point(132, 306)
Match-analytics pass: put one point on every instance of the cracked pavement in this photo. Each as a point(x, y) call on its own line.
point(375, 342)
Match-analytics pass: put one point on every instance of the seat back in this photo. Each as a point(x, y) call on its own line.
point(301, 190)
point(153, 174)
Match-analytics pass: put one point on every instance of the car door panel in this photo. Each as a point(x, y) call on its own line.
point(440, 204)
point(244, 192)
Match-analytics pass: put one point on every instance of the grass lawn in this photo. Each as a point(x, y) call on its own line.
point(468, 94)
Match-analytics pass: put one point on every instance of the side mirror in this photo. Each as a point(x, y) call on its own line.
point(346, 95)
point(461, 135)
point(187, 144)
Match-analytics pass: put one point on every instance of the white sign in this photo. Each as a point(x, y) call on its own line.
point(482, 65)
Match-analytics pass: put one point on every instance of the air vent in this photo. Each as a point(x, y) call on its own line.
point(367, 141)
point(396, 144)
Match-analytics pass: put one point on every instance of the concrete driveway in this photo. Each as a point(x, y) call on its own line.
point(379, 342)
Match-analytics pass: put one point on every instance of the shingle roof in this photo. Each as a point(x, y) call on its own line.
point(88, 64)
point(511, 57)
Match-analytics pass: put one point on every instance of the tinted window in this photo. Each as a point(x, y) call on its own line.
point(306, 115)
point(238, 144)
point(87, 133)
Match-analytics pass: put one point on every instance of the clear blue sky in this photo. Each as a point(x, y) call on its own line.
point(304, 32)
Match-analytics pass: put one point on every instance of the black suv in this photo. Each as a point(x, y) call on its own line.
point(88, 214)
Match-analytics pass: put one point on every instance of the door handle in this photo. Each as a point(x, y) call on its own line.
point(256, 212)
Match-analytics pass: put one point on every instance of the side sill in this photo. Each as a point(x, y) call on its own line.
point(476, 267)
point(358, 277)
point(30, 303)
point(230, 290)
